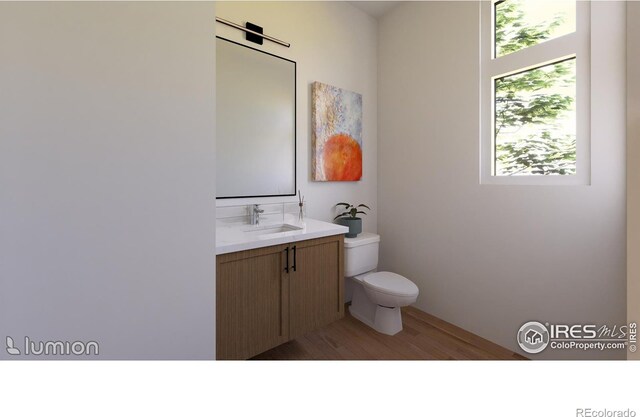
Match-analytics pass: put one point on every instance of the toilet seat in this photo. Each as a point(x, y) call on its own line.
point(391, 284)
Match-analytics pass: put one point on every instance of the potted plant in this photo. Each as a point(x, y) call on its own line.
point(349, 218)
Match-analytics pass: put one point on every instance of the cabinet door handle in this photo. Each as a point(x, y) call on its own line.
point(286, 255)
point(294, 258)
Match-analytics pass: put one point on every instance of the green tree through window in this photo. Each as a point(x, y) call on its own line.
point(535, 128)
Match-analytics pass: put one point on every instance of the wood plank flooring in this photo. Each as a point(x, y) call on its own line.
point(423, 337)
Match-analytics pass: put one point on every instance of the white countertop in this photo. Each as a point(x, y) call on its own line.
point(234, 237)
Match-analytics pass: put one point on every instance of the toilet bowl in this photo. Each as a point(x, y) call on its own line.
point(377, 296)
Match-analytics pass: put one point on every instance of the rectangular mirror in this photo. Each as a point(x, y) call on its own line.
point(255, 122)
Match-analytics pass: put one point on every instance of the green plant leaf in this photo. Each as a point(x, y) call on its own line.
point(351, 210)
point(345, 214)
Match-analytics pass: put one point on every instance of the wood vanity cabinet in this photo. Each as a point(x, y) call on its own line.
point(316, 285)
point(268, 296)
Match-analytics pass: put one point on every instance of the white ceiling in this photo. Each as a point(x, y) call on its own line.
point(375, 8)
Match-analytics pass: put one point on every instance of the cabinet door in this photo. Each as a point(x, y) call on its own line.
point(251, 302)
point(316, 285)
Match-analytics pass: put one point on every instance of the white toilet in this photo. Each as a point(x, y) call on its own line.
point(377, 296)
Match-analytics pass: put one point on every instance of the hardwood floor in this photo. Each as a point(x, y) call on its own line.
point(423, 337)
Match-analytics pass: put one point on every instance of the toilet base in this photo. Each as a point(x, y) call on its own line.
point(386, 320)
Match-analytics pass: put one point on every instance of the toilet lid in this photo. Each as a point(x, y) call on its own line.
point(390, 283)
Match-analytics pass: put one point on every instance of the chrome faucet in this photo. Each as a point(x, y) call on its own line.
point(255, 211)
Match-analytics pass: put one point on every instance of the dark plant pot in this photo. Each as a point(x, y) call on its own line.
point(353, 223)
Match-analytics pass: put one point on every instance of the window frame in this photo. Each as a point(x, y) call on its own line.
point(576, 44)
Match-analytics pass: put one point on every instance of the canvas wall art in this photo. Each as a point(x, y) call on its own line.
point(336, 133)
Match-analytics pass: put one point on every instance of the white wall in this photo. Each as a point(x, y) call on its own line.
point(107, 176)
point(335, 43)
point(487, 257)
point(633, 165)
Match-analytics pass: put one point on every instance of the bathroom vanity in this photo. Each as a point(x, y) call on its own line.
point(276, 282)
point(278, 278)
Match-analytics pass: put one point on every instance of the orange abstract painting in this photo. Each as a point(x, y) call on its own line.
point(342, 158)
point(336, 134)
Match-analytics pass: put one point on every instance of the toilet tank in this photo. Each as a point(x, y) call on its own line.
point(360, 254)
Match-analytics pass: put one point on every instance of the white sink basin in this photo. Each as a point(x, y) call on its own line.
point(271, 229)
point(234, 237)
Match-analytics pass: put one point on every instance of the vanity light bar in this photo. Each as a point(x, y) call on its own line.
point(244, 29)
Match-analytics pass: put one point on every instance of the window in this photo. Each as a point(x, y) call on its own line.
point(535, 92)
point(522, 23)
point(535, 124)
